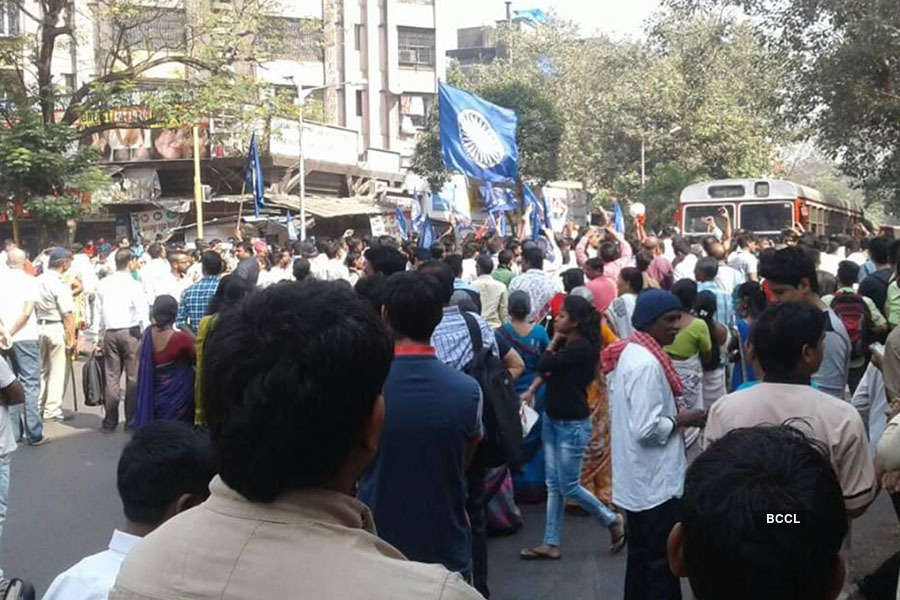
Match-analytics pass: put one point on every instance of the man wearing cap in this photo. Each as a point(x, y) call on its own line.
point(648, 463)
point(56, 332)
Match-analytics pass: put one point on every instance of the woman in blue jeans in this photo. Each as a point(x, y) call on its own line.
point(569, 366)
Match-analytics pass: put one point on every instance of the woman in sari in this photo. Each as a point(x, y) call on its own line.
point(166, 368)
point(530, 341)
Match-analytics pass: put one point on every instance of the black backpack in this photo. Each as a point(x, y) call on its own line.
point(93, 381)
point(502, 441)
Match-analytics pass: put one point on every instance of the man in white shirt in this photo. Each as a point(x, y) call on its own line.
point(122, 313)
point(685, 260)
point(494, 297)
point(648, 461)
point(176, 281)
point(19, 334)
point(533, 281)
point(334, 268)
point(11, 394)
point(744, 258)
point(155, 271)
point(469, 270)
point(164, 470)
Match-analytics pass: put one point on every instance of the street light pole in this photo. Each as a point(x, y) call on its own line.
point(301, 97)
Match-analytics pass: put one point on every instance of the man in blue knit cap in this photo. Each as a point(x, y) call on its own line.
point(648, 463)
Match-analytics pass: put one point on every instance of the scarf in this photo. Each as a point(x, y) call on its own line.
point(609, 358)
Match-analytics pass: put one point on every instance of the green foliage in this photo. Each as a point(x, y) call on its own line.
point(426, 160)
point(42, 167)
point(843, 62)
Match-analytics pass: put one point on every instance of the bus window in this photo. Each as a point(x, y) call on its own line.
point(695, 216)
point(771, 216)
point(726, 191)
point(761, 189)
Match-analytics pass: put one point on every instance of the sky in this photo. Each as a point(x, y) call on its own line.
point(619, 17)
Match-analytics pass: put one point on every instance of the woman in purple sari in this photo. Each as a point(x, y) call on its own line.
point(166, 369)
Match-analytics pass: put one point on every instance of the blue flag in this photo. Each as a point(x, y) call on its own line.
point(402, 224)
point(497, 198)
point(426, 233)
point(618, 218)
point(478, 138)
point(253, 177)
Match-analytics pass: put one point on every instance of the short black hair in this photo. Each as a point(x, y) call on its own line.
point(609, 251)
point(571, 279)
point(300, 269)
point(455, 262)
point(372, 290)
point(505, 258)
point(595, 264)
point(162, 461)
point(123, 257)
point(155, 250)
point(444, 274)
point(414, 304)
point(212, 263)
point(788, 266)
point(779, 334)
point(519, 305)
point(681, 245)
point(534, 256)
point(484, 264)
point(707, 267)
point(686, 292)
point(386, 260)
point(285, 415)
point(643, 259)
point(731, 549)
point(826, 283)
point(848, 272)
point(246, 246)
point(633, 278)
point(230, 292)
point(878, 249)
point(436, 251)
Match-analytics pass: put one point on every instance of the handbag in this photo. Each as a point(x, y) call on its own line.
point(93, 380)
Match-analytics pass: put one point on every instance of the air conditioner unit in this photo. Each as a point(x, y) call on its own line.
point(409, 57)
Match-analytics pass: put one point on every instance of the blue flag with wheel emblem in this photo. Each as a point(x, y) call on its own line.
point(478, 138)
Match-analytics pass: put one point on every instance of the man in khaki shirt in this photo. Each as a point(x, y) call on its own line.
point(788, 344)
point(292, 433)
point(494, 296)
point(56, 332)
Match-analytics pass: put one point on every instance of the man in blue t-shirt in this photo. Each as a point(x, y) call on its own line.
point(416, 487)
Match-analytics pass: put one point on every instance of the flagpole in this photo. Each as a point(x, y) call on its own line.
point(198, 188)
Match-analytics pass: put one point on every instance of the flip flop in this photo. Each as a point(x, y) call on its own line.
point(532, 554)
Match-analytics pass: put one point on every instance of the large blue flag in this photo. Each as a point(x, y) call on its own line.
point(478, 138)
point(253, 177)
point(497, 198)
point(618, 218)
point(402, 223)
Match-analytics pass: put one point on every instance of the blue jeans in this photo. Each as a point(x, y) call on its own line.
point(26, 363)
point(564, 444)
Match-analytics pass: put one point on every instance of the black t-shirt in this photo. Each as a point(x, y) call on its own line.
point(571, 369)
point(875, 286)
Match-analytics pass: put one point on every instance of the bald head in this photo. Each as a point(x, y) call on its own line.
point(15, 258)
point(651, 243)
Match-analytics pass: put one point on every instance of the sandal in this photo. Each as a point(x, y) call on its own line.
point(534, 554)
point(617, 534)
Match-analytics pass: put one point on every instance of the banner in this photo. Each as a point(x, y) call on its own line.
point(384, 225)
point(148, 223)
point(478, 138)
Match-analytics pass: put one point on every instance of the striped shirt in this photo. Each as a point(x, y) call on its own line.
point(452, 342)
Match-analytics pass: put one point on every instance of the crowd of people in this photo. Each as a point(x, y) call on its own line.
point(682, 392)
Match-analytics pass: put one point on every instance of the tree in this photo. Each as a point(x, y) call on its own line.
point(43, 169)
point(843, 60)
point(538, 132)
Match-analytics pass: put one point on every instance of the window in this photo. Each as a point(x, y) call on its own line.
point(761, 189)
point(357, 37)
point(155, 29)
point(696, 215)
point(297, 39)
point(416, 46)
point(9, 19)
point(413, 110)
point(726, 191)
point(359, 102)
point(770, 217)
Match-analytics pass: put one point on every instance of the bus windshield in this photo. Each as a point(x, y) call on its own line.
point(768, 217)
point(695, 216)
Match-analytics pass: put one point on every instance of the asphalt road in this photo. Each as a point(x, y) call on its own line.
point(63, 505)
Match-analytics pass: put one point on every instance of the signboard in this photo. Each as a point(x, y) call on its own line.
point(558, 205)
point(384, 225)
point(148, 223)
point(454, 194)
